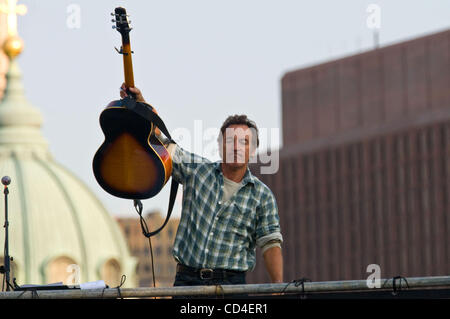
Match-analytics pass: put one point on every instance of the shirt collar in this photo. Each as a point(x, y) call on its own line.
point(248, 177)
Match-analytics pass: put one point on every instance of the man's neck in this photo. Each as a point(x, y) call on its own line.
point(234, 174)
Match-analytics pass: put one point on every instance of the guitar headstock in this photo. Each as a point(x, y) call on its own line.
point(121, 20)
point(122, 25)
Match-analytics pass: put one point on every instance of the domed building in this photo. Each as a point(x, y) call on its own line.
point(58, 230)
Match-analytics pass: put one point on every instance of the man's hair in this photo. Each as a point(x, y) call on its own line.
point(241, 120)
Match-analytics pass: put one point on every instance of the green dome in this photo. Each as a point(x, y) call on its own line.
point(58, 229)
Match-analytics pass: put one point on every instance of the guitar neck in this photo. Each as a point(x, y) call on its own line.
point(127, 63)
point(124, 29)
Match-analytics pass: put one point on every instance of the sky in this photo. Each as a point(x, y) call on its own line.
point(196, 61)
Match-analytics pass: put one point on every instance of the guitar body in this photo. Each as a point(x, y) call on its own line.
point(132, 162)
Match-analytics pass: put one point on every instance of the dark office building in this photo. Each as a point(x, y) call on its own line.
point(364, 173)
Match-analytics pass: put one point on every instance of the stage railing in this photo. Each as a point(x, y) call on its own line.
point(296, 287)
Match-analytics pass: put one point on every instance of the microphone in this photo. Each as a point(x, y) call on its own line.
point(6, 180)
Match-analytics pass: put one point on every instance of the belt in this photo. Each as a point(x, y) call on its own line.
point(208, 273)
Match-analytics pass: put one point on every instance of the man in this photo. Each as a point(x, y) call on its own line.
point(226, 211)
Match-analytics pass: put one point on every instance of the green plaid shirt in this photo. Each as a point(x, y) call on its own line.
point(216, 234)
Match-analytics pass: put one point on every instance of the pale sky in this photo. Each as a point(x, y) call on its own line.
point(196, 61)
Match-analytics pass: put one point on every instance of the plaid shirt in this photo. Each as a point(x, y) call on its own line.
point(216, 234)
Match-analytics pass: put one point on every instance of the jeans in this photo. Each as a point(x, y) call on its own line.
point(187, 279)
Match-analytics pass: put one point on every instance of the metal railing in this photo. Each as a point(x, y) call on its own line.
point(297, 287)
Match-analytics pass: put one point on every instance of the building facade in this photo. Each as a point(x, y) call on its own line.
point(58, 229)
point(364, 172)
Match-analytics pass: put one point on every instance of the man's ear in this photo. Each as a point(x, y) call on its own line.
point(253, 149)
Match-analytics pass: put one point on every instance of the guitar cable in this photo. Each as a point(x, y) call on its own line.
point(139, 207)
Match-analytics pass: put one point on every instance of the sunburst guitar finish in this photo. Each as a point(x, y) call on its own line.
point(132, 162)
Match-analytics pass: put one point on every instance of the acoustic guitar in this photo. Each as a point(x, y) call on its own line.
point(132, 162)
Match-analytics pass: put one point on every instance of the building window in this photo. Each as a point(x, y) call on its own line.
point(111, 273)
point(62, 269)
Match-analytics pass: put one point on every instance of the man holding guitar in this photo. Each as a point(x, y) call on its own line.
point(227, 212)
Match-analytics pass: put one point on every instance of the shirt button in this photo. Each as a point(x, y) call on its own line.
point(220, 202)
point(206, 250)
point(211, 233)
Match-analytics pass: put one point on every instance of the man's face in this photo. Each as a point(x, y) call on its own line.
point(237, 145)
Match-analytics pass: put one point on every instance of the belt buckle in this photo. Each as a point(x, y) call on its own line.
point(204, 271)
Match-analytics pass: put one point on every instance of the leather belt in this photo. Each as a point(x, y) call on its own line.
point(208, 273)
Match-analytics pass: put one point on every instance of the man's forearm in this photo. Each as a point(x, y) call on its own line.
point(273, 260)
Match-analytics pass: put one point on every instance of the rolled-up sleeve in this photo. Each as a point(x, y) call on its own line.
point(268, 223)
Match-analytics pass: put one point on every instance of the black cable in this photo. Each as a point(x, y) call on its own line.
point(138, 206)
point(15, 284)
point(10, 286)
point(298, 282)
point(153, 266)
point(396, 289)
point(122, 281)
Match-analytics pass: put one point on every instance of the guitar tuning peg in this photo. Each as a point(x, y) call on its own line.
point(113, 20)
point(112, 14)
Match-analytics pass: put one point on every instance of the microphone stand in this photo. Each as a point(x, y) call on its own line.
point(6, 269)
